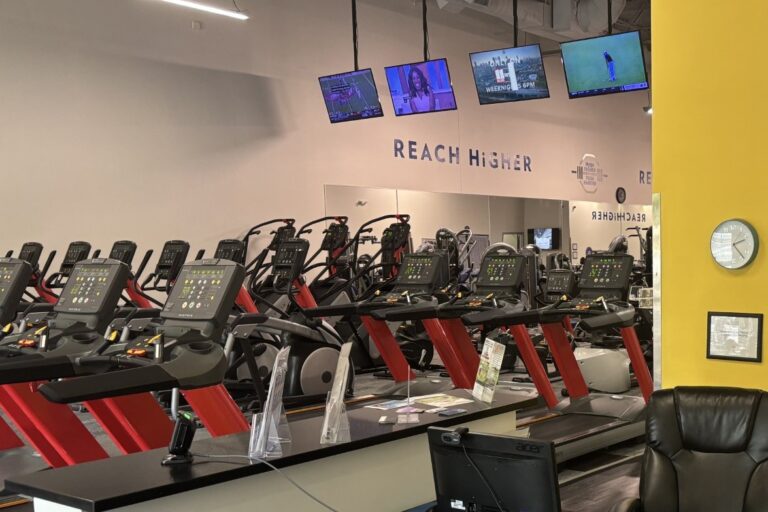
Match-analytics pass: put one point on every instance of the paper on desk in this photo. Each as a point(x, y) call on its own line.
point(441, 400)
point(388, 405)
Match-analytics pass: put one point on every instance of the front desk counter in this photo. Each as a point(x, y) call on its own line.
point(384, 468)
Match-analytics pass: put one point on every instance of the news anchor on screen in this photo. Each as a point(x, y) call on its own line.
point(421, 97)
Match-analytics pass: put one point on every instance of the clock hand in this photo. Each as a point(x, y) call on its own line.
point(739, 241)
point(738, 251)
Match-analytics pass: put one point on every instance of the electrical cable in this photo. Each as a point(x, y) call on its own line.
point(482, 477)
point(610, 17)
point(271, 466)
point(237, 7)
point(425, 28)
point(354, 33)
point(516, 22)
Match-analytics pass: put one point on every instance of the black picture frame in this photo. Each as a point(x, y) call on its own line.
point(717, 354)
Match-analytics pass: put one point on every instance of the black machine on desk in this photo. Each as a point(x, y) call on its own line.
point(185, 352)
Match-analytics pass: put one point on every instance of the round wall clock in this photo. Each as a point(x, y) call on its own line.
point(734, 244)
point(621, 195)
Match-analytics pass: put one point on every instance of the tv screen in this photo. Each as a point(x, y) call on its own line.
point(421, 87)
point(604, 65)
point(509, 74)
point(351, 96)
point(546, 239)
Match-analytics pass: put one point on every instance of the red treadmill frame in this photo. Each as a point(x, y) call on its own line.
point(456, 351)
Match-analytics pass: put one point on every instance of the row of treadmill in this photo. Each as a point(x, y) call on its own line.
point(202, 333)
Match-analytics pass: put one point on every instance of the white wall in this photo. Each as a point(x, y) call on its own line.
point(121, 121)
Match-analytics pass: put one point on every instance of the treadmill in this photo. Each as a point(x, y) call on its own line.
point(85, 307)
point(586, 422)
point(185, 352)
point(498, 288)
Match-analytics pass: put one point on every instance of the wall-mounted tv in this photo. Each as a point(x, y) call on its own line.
point(546, 239)
point(421, 87)
point(509, 74)
point(351, 96)
point(604, 65)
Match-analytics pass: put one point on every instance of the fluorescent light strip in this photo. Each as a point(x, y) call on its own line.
point(208, 8)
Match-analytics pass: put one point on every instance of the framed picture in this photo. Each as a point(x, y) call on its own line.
point(735, 336)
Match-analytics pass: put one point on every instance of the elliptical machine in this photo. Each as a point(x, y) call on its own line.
point(314, 344)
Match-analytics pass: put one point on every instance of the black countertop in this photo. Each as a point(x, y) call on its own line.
point(121, 481)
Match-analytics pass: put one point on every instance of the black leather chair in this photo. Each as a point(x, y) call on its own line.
point(707, 452)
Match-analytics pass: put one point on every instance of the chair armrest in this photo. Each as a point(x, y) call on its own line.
point(627, 505)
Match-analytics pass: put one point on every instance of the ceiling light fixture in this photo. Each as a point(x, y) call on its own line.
point(208, 8)
point(648, 110)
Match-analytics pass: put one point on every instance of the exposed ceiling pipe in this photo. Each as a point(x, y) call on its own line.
point(557, 20)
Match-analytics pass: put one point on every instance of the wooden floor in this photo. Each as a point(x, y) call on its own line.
point(598, 493)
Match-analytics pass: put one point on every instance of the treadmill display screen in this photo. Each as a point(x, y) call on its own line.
point(199, 292)
point(560, 281)
point(91, 288)
point(501, 271)
point(606, 272)
point(419, 269)
point(13, 281)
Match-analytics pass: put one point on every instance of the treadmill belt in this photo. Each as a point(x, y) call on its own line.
point(571, 426)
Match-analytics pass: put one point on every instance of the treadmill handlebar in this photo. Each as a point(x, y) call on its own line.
point(332, 310)
point(406, 312)
point(618, 317)
point(107, 385)
point(32, 367)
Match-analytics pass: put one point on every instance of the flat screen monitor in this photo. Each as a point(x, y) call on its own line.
point(492, 472)
point(351, 96)
point(421, 87)
point(604, 65)
point(546, 239)
point(509, 74)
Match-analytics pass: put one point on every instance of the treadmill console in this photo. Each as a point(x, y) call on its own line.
point(289, 261)
point(31, 252)
point(499, 271)
point(172, 258)
point(93, 288)
point(422, 272)
point(14, 277)
point(76, 252)
point(232, 250)
point(282, 235)
point(605, 273)
point(123, 250)
point(205, 291)
point(560, 282)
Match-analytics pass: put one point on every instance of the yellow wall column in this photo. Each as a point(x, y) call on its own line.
point(710, 163)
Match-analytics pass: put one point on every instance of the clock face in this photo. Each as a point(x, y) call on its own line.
point(734, 244)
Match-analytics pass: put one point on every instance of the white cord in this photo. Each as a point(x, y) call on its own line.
point(273, 467)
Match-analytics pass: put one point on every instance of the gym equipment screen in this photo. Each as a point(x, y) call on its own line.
point(421, 87)
point(509, 74)
point(604, 65)
point(351, 96)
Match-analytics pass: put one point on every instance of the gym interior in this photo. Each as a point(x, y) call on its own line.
point(381, 255)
